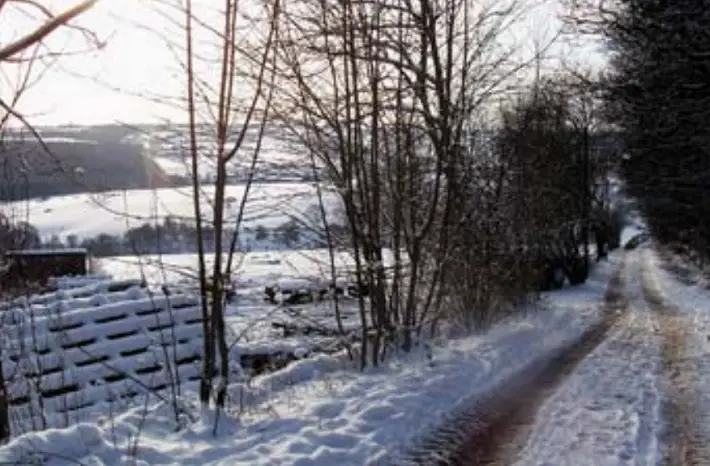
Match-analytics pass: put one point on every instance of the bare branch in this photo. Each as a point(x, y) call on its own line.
point(45, 30)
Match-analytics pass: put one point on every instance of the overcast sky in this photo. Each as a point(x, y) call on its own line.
point(105, 86)
point(83, 88)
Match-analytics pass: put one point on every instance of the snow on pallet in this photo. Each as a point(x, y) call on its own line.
point(71, 288)
point(65, 352)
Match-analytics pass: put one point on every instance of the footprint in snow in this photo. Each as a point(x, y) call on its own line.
point(378, 413)
point(302, 448)
point(329, 410)
point(337, 441)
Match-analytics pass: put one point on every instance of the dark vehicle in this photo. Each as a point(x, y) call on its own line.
point(636, 241)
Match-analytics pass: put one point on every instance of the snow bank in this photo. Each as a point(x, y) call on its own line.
point(691, 307)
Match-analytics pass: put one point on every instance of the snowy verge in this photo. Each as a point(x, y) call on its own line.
point(690, 298)
point(691, 306)
point(320, 412)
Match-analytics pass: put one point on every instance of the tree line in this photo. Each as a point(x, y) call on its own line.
point(655, 93)
point(478, 182)
point(479, 190)
point(172, 236)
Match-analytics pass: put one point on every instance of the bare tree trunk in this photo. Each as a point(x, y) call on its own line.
point(208, 339)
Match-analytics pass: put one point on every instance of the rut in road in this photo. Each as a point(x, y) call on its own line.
point(491, 430)
point(684, 443)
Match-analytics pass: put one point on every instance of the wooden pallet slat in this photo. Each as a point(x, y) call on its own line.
point(78, 346)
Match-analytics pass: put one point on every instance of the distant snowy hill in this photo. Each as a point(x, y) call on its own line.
point(110, 157)
point(84, 160)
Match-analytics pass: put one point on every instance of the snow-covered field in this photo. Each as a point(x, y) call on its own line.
point(113, 212)
point(322, 411)
point(279, 156)
point(251, 270)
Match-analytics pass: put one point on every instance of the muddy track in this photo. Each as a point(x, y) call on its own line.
point(493, 429)
point(683, 443)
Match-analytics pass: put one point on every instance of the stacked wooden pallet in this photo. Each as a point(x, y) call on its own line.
point(70, 350)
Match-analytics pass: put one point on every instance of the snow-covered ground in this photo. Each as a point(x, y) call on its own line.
point(87, 215)
point(691, 313)
point(608, 411)
point(279, 155)
point(322, 411)
point(251, 270)
point(611, 410)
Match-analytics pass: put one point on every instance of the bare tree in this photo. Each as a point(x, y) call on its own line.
point(222, 113)
point(547, 141)
point(385, 95)
point(23, 62)
point(31, 49)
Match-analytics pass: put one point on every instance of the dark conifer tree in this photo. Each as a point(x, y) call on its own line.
point(658, 95)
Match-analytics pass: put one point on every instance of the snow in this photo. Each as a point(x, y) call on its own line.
point(251, 270)
point(692, 305)
point(278, 158)
point(113, 212)
point(608, 411)
point(42, 252)
point(63, 283)
point(321, 410)
point(629, 232)
point(67, 354)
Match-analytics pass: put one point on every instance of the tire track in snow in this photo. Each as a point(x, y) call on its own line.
point(493, 428)
point(607, 411)
point(684, 442)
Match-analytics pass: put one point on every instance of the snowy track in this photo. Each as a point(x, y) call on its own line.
point(630, 391)
point(640, 397)
point(686, 440)
point(607, 412)
point(492, 428)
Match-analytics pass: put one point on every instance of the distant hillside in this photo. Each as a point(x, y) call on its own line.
point(83, 160)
